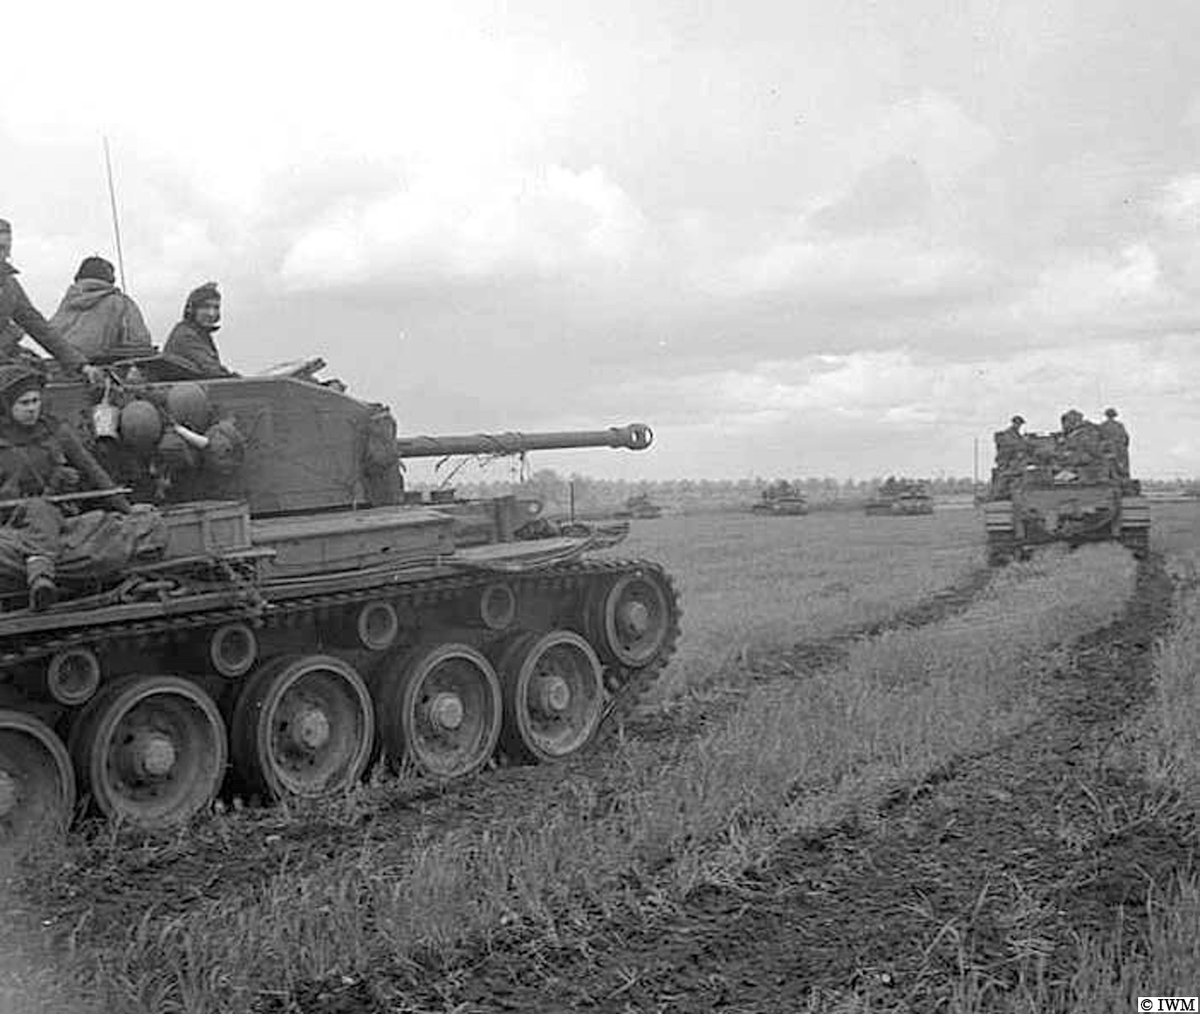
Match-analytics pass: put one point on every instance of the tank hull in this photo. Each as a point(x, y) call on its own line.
point(1071, 513)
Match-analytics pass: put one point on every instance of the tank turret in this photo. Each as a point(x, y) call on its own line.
point(300, 609)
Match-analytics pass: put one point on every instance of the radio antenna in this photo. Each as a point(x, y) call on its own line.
point(112, 200)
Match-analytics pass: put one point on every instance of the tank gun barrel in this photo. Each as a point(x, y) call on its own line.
point(635, 437)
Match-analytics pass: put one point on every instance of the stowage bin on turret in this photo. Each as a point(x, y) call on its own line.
point(306, 608)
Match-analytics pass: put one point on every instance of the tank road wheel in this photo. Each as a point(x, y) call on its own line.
point(303, 726)
point(632, 620)
point(150, 749)
point(553, 694)
point(37, 784)
point(439, 709)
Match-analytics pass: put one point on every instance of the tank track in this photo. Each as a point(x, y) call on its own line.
point(155, 747)
point(624, 683)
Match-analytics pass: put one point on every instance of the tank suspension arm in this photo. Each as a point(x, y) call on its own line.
point(635, 437)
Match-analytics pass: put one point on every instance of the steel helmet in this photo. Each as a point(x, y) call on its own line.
point(187, 403)
point(141, 426)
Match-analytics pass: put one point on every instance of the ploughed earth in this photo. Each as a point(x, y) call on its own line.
point(969, 871)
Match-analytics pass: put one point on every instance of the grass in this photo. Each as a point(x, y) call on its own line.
point(800, 756)
point(644, 834)
point(752, 585)
point(652, 827)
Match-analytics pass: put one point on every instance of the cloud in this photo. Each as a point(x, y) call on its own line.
point(896, 193)
point(1178, 203)
point(1106, 292)
point(902, 409)
point(521, 221)
point(932, 131)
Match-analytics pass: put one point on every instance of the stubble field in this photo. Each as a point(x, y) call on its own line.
point(876, 776)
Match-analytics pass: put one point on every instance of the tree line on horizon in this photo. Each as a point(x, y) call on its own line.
point(590, 493)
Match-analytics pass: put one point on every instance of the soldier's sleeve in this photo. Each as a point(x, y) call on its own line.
point(39, 329)
point(10, 337)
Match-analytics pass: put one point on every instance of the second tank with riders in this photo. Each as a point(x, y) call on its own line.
point(1072, 485)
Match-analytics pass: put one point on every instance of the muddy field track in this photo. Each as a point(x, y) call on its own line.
point(990, 867)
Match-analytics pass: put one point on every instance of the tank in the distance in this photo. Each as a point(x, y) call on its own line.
point(781, 498)
point(641, 507)
point(302, 609)
point(900, 498)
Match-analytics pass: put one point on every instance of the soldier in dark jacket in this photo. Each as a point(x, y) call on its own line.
point(41, 457)
point(1010, 444)
point(1080, 441)
point(1011, 455)
point(1115, 439)
point(33, 464)
point(190, 342)
point(15, 308)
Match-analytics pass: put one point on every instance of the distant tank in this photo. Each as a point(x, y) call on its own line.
point(1053, 491)
point(781, 498)
point(640, 507)
point(900, 497)
point(306, 611)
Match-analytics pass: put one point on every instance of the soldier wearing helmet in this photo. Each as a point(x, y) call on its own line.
point(190, 342)
point(1081, 445)
point(40, 457)
point(1115, 441)
point(33, 464)
point(1011, 454)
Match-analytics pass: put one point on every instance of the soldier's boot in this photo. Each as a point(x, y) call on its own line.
point(39, 574)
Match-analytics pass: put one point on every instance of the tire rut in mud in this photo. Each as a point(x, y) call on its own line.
point(991, 867)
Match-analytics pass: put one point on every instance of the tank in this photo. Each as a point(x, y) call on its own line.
point(1051, 492)
point(641, 507)
point(781, 498)
point(306, 614)
point(900, 497)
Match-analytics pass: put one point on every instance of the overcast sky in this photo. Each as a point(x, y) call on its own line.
point(794, 237)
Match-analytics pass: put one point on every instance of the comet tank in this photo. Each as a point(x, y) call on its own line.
point(1071, 487)
point(303, 613)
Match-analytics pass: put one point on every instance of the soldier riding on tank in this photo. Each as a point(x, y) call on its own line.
point(1011, 454)
point(1115, 441)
